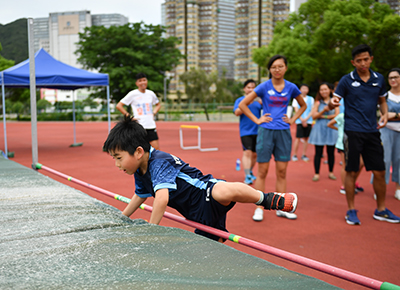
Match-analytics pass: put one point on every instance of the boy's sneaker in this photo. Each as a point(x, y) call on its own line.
point(252, 176)
point(359, 188)
point(386, 215)
point(351, 217)
point(294, 158)
point(305, 158)
point(290, 204)
point(342, 190)
point(288, 215)
point(248, 179)
point(258, 214)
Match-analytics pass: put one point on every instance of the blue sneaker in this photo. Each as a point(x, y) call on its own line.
point(351, 217)
point(252, 176)
point(386, 215)
point(248, 179)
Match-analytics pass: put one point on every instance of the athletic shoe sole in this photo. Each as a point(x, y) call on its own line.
point(292, 198)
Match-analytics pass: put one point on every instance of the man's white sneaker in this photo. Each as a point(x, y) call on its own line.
point(258, 215)
point(288, 215)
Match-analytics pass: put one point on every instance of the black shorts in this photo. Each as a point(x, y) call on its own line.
point(369, 145)
point(303, 132)
point(152, 134)
point(212, 214)
point(249, 142)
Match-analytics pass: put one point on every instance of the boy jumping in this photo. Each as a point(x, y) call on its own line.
point(171, 181)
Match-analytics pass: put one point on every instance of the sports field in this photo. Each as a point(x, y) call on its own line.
point(319, 233)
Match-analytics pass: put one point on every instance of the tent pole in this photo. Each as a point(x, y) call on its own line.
point(73, 119)
point(108, 108)
point(73, 114)
point(32, 82)
point(4, 115)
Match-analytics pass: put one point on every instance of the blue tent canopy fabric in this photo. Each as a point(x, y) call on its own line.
point(51, 73)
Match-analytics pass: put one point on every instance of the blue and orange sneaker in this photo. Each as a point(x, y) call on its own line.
point(387, 216)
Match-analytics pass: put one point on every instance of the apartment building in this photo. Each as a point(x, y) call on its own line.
point(58, 33)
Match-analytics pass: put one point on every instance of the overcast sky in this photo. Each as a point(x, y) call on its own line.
point(148, 11)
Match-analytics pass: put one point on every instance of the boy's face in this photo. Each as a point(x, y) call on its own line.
point(141, 84)
point(362, 62)
point(304, 90)
point(126, 162)
point(249, 88)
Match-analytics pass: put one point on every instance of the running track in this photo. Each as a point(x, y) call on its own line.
point(319, 233)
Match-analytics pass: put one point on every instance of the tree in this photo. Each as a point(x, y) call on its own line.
point(5, 63)
point(124, 51)
point(197, 85)
point(319, 38)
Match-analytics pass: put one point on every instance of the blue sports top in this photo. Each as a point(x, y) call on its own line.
point(276, 103)
point(246, 126)
point(310, 103)
point(183, 182)
point(360, 100)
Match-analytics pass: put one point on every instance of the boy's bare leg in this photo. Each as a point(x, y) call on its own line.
point(227, 192)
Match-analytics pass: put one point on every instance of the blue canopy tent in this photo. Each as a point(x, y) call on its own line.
point(53, 74)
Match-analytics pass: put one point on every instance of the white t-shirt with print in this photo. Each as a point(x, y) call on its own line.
point(142, 106)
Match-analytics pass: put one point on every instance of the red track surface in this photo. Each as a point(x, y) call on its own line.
point(320, 232)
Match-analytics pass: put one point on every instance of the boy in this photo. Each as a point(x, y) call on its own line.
point(248, 131)
point(173, 182)
point(142, 101)
point(303, 123)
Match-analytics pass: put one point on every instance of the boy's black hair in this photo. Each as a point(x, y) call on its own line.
point(140, 76)
point(304, 85)
point(248, 82)
point(127, 135)
point(360, 49)
point(394, 69)
point(275, 57)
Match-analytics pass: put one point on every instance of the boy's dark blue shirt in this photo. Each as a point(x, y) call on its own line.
point(186, 184)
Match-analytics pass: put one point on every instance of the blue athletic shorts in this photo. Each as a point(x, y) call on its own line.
point(276, 142)
point(213, 213)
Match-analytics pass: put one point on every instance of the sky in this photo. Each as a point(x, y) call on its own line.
point(148, 11)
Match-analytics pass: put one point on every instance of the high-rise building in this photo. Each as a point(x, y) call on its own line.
point(58, 33)
point(255, 22)
point(206, 31)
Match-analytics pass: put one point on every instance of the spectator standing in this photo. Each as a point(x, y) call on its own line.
point(390, 134)
point(321, 135)
point(142, 101)
point(362, 90)
point(303, 124)
point(248, 131)
point(274, 136)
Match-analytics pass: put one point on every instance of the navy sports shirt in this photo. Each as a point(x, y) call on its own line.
point(360, 100)
point(186, 184)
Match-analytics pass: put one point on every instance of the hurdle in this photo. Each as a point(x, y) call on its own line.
point(198, 139)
